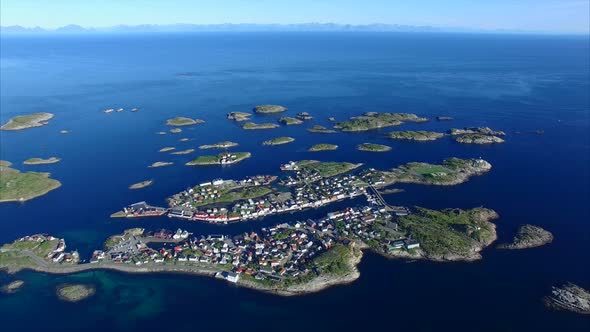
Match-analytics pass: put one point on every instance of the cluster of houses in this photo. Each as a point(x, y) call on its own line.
point(285, 251)
point(55, 251)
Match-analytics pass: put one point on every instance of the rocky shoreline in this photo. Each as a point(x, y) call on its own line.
point(528, 236)
point(569, 297)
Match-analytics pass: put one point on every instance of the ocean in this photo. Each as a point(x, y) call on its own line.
point(520, 84)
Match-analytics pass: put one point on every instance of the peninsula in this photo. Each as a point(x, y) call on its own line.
point(323, 147)
point(19, 187)
point(376, 120)
point(27, 121)
point(40, 161)
point(219, 145)
point(182, 121)
point(409, 135)
point(477, 135)
point(529, 236)
point(279, 141)
point(253, 126)
point(321, 130)
point(224, 158)
point(372, 147)
point(269, 109)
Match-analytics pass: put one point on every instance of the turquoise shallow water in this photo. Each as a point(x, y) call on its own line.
point(518, 84)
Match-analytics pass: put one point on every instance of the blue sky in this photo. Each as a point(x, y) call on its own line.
point(532, 15)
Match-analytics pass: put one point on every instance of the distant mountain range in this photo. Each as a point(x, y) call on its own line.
point(225, 27)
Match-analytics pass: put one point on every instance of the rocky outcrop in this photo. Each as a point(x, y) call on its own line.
point(528, 236)
point(569, 297)
point(477, 135)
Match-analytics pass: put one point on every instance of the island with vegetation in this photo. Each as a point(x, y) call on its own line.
point(324, 169)
point(452, 171)
point(224, 158)
point(41, 161)
point(141, 184)
point(183, 121)
point(239, 116)
point(410, 135)
point(289, 121)
point(74, 292)
point(279, 140)
point(477, 135)
point(187, 151)
point(160, 164)
point(12, 287)
point(175, 130)
point(316, 253)
point(27, 121)
point(529, 236)
point(254, 126)
point(372, 147)
point(219, 145)
point(376, 120)
point(320, 130)
point(269, 109)
point(569, 297)
point(19, 187)
point(323, 147)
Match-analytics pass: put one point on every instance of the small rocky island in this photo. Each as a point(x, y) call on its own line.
point(372, 147)
point(477, 135)
point(141, 184)
point(569, 297)
point(224, 158)
point(74, 292)
point(269, 109)
point(183, 121)
point(529, 236)
point(410, 135)
point(320, 130)
point(175, 130)
point(323, 147)
point(219, 145)
point(239, 116)
point(304, 116)
point(254, 126)
point(444, 118)
point(27, 121)
point(279, 141)
point(160, 164)
point(19, 187)
point(41, 161)
point(166, 149)
point(12, 287)
point(187, 151)
point(376, 120)
point(289, 121)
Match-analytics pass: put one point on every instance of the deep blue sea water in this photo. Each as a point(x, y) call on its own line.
point(518, 84)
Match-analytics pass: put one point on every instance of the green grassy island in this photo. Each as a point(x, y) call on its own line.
point(74, 292)
point(269, 109)
point(323, 147)
point(19, 187)
point(239, 116)
point(477, 135)
point(372, 147)
point(182, 121)
point(375, 120)
point(452, 171)
point(27, 121)
point(410, 135)
point(254, 126)
point(289, 121)
point(141, 184)
point(224, 158)
point(40, 161)
point(219, 145)
point(279, 140)
point(321, 130)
